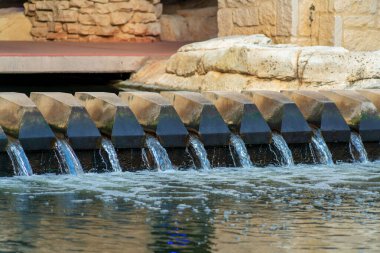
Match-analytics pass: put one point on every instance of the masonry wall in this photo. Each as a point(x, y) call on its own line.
point(353, 24)
point(94, 20)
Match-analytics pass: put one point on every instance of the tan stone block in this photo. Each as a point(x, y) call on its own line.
point(44, 16)
point(158, 8)
point(87, 29)
point(52, 5)
point(361, 40)
point(142, 29)
point(267, 13)
point(71, 28)
point(106, 30)
point(81, 3)
point(173, 28)
point(142, 5)
point(141, 17)
point(225, 22)
point(359, 21)
point(66, 16)
point(246, 16)
point(94, 19)
point(39, 31)
point(100, 1)
point(56, 36)
point(120, 18)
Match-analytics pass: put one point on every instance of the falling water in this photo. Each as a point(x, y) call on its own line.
point(320, 147)
point(112, 155)
point(241, 151)
point(20, 162)
point(70, 161)
point(160, 156)
point(200, 152)
point(283, 148)
point(357, 143)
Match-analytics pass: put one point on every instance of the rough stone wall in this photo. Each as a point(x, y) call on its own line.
point(94, 20)
point(353, 24)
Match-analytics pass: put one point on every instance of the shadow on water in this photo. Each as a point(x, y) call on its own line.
point(71, 83)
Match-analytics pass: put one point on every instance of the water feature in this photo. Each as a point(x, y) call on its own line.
point(320, 147)
point(282, 147)
point(356, 145)
point(112, 155)
point(159, 154)
point(20, 162)
point(241, 151)
point(303, 208)
point(200, 152)
point(69, 160)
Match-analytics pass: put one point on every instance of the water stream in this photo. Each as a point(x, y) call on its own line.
point(356, 143)
point(112, 155)
point(241, 151)
point(70, 161)
point(320, 147)
point(281, 145)
point(200, 152)
point(20, 162)
point(160, 156)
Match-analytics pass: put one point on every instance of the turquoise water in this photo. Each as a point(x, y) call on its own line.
point(274, 209)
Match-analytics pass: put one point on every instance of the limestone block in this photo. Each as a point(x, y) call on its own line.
point(157, 116)
point(185, 64)
point(246, 16)
point(66, 115)
point(142, 29)
point(282, 115)
point(52, 5)
point(359, 112)
point(120, 18)
point(322, 113)
point(199, 115)
point(241, 115)
point(141, 17)
point(94, 19)
point(113, 118)
point(39, 32)
point(81, 3)
point(44, 16)
point(21, 119)
point(66, 16)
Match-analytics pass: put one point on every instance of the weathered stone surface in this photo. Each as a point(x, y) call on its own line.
point(372, 95)
point(120, 18)
point(113, 118)
point(21, 119)
point(199, 115)
point(66, 115)
point(14, 25)
point(241, 115)
point(321, 113)
point(157, 116)
point(359, 112)
point(282, 115)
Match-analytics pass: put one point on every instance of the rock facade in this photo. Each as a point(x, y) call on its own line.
point(254, 62)
point(94, 20)
point(353, 24)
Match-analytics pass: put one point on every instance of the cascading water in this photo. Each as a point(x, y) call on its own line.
point(20, 162)
point(357, 143)
point(241, 151)
point(320, 147)
point(200, 152)
point(112, 155)
point(283, 148)
point(70, 161)
point(160, 156)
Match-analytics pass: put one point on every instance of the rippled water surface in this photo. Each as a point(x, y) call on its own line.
point(291, 209)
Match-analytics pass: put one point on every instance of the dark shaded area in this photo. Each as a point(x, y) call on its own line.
point(70, 83)
point(11, 3)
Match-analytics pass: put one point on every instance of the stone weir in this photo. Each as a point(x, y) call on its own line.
point(105, 132)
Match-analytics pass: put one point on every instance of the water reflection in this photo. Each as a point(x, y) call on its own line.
point(226, 210)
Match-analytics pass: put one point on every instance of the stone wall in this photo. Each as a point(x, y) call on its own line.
point(353, 24)
point(94, 20)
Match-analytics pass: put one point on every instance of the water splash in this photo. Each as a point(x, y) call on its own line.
point(160, 156)
point(357, 143)
point(283, 148)
point(20, 162)
point(200, 152)
point(241, 151)
point(320, 147)
point(70, 161)
point(112, 155)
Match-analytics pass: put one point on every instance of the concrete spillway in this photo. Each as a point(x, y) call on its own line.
point(143, 130)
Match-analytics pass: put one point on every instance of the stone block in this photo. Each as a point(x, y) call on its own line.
point(157, 116)
point(120, 18)
point(113, 118)
point(241, 115)
point(200, 116)
point(21, 119)
point(321, 113)
point(282, 115)
point(358, 111)
point(66, 115)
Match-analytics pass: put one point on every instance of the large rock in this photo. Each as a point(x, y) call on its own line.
point(14, 25)
point(252, 62)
